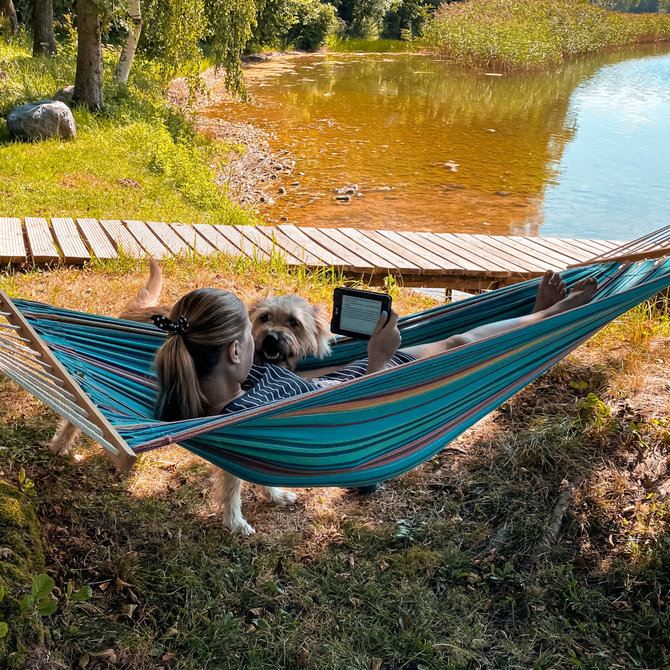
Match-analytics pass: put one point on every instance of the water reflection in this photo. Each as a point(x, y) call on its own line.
point(460, 151)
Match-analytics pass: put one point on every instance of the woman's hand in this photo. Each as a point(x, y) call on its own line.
point(384, 342)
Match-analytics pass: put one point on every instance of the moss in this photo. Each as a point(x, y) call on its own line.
point(21, 557)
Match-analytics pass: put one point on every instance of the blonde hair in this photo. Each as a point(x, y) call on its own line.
point(215, 318)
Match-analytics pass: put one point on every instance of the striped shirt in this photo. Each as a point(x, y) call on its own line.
point(270, 383)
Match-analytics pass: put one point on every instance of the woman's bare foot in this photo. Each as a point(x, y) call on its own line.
point(580, 294)
point(550, 291)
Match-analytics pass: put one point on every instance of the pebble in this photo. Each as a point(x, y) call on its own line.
point(283, 218)
point(343, 197)
point(295, 183)
point(502, 193)
point(455, 186)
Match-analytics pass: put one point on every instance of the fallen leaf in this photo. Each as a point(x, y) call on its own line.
point(375, 663)
point(302, 657)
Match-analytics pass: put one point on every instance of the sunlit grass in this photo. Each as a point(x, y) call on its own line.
point(139, 159)
point(522, 34)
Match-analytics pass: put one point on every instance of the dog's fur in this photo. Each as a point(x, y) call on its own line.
point(285, 330)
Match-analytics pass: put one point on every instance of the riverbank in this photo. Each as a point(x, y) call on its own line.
point(538, 538)
point(523, 35)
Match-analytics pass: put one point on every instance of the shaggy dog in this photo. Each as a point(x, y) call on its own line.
point(285, 329)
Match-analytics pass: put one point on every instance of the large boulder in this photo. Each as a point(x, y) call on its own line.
point(42, 119)
point(65, 95)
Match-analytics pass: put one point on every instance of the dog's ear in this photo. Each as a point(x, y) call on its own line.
point(253, 310)
point(323, 333)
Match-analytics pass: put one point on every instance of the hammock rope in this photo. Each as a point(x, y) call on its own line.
point(354, 434)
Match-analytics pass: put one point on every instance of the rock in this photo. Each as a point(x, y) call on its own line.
point(454, 186)
point(283, 218)
point(502, 193)
point(41, 120)
point(343, 197)
point(281, 190)
point(64, 95)
point(295, 183)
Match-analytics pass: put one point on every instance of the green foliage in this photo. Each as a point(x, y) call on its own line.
point(300, 24)
point(516, 33)
point(314, 22)
point(405, 18)
point(139, 140)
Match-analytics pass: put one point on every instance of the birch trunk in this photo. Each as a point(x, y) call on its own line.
point(7, 8)
point(88, 78)
point(130, 45)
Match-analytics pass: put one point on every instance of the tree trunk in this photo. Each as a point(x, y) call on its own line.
point(88, 78)
point(7, 8)
point(130, 45)
point(44, 40)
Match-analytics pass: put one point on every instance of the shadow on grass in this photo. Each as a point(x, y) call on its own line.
point(399, 576)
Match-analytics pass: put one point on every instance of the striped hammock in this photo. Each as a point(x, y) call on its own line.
point(361, 432)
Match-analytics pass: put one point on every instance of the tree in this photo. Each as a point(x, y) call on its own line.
point(7, 8)
point(130, 45)
point(44, 40)
point(88, 77)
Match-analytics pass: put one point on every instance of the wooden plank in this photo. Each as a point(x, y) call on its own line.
point(455, 263)
point(352, 262)
point(480, 253)
point(520, 258)
point(217, 240)
point(324, 253)
point(143, 234)
point(241, 243)
point(376, 262)
point(71, 245)
point(280, 238)
point(397, 263)
point(421, 250)
point(554, 259)
point(261, 241)
point(168, 237)
point(425, 266)
point(12, 246)
point(97, 240)
point(576, 251)
point(125, 243)
point(469, 261)
point(596, 246)
point(42, 246)
point(191, 236)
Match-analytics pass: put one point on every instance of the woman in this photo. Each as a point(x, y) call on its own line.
point(206, 360)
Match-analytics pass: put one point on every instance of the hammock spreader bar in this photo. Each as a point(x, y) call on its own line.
point(357, 433)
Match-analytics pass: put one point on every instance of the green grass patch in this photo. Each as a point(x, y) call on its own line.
point(522, 34)
point(139, 159)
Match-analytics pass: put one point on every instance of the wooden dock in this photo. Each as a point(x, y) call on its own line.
point(447, 260)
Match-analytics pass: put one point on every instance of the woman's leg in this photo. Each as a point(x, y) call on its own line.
point(551, 300)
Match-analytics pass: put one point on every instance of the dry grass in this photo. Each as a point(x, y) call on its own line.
point(407, 575)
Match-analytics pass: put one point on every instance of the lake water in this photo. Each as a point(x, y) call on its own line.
point(581, 151)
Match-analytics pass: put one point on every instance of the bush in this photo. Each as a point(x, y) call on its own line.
point(314, 23)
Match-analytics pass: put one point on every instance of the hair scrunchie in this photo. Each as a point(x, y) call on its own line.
point(178, 327)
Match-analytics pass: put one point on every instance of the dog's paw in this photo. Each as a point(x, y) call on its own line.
point(239, 527)
point(279, 496)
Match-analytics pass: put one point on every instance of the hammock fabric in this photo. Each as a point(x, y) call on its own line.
point(365, 431)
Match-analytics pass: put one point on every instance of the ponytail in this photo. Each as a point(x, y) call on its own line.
point(200, 325)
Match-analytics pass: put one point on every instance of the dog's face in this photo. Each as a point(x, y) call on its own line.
point(287, 328)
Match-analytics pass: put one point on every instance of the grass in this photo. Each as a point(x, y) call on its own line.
point(404, 578)
point(522, 34)
point(140, 159)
